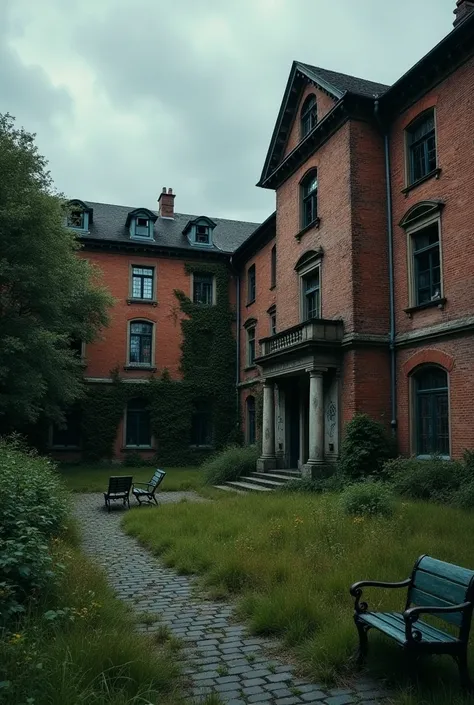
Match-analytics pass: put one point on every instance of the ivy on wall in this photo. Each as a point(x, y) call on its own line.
point(208, 354)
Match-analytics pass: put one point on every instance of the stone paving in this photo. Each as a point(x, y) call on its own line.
point(220, 656)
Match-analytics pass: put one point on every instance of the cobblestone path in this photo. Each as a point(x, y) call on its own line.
point(220, 656)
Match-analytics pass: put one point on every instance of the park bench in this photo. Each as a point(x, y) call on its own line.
point(435, 588)
point(148, 494)
point(119, 489)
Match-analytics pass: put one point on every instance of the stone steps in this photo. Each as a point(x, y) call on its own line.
point(260, 481)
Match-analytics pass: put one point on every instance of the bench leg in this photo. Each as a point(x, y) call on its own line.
point(154, 499)
point(363, 642)
point(461, 659)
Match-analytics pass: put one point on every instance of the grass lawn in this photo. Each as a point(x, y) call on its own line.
point(94, 478)
point(290, 560)
point(84, 650)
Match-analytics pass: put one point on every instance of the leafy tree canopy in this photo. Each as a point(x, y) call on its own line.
point(49, 296)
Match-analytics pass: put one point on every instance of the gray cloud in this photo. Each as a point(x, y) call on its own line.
point(186, 94)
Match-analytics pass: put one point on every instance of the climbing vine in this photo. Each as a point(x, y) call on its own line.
point(208, 376)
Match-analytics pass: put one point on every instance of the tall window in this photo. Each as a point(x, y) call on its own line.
point(142, 282)
point(203, 287)
point(273, 264)
point(432, 411)
point(311, 295)
point(421, 142)
point(250, 346)
point(426, 264)
point(251, 284)
point(309, 197)
point(201, 426)
point(68, 435)
point(202, 234)
point(273, 323)
point(309, 115)
point(141, 338)
point(251, 428)
point(138, 428)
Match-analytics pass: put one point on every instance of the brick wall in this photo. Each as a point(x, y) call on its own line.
point(325, 104)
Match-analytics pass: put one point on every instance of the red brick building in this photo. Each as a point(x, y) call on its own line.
point(356, 295)
point(360, 290)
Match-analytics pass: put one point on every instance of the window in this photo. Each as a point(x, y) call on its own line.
point(309, 194)
point(142, 283)
point(426, 264)
point(273, 265)
point(421, 142)
point(311, 295)
point(202, 234)
point(251, 429)
point(273, 324)
point(251, 346)
point(203, 289)
point(69, 434)
point(142, 227)
point(251, 284)
point(138, 426)
point(141, 334)
point(309, 115)
point(431, 411)
point(201, 425)
point(76, 219)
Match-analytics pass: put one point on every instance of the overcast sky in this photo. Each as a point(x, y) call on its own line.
point(127, 96)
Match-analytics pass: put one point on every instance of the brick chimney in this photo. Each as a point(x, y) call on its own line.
point(166, 203)
point(463, 9)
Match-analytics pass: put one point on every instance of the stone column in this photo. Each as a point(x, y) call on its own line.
point(316, 424)
point(280, 431)
point(331, 419)
point(303, 431)
point(267, 460)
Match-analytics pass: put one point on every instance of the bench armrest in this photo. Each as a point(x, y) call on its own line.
point(356, 591)
point(412, 614)
point(144, 484)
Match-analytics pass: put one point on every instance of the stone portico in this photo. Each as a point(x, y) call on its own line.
point(301, 371)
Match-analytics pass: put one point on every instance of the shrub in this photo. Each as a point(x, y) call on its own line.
point(367, 499)
point(133, 459)
point(230, 464)
point(332, 483)
point(34, 507)
point(365, 448)
point(464, 496)
point(434, 478)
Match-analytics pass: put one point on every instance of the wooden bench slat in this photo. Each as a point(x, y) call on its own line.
point(423, 599)
point(393, 624)
point(455, 573)
point(445, 589)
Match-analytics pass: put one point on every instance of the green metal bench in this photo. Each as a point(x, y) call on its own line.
point(435, 588)
point(118, 490)
point(148, 493)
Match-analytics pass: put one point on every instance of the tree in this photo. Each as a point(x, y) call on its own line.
point(49, 296)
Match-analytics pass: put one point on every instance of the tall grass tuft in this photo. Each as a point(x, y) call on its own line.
point(290, 560)
point(230, 464)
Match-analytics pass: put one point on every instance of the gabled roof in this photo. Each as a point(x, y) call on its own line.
point(336, 85)
point(138, 212)
point(110, 227)
point(197, 221)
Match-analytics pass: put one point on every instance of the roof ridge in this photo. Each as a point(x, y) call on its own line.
point(342, 73)
point(184, 215)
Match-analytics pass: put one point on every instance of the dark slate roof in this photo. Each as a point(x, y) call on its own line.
point(108, 224)
point(345, 83)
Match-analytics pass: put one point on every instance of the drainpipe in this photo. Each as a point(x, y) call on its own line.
point(388, 183)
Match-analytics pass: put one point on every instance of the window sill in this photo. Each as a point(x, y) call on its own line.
point(437, 303)
point(435, 173)
point(249, 303)
point(315, 224)
point(150, 302)
point(147, 368)
point(430, 457)
point(207, 447)
point(125, 448)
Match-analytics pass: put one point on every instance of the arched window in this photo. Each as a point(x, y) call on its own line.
point(141, 343)
point(250, 421)
point(309, 115)
point(431, 411)
point(138, 427)
point(309, 198)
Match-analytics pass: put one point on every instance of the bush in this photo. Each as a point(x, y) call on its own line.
point(333, 483)
point(34, 507)
point(434, 478)
point(230, 464)
point(367, 499)
point(365, 448)
point(464, 496)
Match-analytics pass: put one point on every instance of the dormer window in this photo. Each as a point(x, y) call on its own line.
point(79, 216)
point(199, 231)
point(140, 223)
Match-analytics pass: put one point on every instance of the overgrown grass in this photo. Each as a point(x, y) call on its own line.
point(94, 478)
point(83, 650)
point(290, 560)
